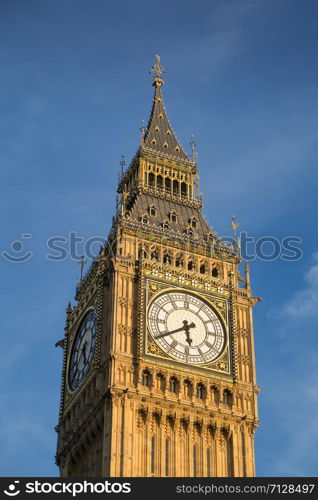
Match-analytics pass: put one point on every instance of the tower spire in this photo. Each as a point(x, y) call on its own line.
point(159, 136)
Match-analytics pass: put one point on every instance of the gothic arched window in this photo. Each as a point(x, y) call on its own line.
point(161, 382)
point(202, 269)
point(188, 388)
point(146, 378)
point(200, 391)
point(179, 261)
point(155, 256)
point(215, 394)
point(215, 272)
point(227, 397)
point(142, 254)
point(167, 258)
point(190, 265)
point(152, 210)
point(173, 384)
point(193, 222)
point(151, 179)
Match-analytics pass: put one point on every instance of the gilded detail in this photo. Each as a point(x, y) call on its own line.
point(162, 382)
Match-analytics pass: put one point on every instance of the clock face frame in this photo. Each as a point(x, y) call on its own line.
point(82, 350)
point(186, 327)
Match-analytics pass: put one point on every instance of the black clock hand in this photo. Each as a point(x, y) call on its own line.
point(184, 327)
point(83, 350)
point(169, 333)
point(77, 360)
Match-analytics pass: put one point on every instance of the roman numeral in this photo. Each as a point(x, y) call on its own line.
point(173, 303)
point(173, 344)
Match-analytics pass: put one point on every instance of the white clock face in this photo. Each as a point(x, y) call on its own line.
point(186, 327)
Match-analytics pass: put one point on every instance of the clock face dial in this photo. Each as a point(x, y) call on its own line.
point(82, 351)
point(186, 327)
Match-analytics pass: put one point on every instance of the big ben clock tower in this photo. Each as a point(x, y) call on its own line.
point(159, 369)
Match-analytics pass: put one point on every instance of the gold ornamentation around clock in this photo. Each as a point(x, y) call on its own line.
point(186, 327)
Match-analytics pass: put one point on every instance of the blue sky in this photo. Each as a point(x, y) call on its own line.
point(74, 87)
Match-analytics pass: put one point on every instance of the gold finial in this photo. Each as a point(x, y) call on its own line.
point(247, 276)
point(234, 226)
point(247, 267)
point(158, 70)
point(82, 263)
point(143, 131)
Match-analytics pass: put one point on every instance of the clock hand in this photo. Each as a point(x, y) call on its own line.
point(186, 329)
point(83, 350)
point(169, 333)
point(177, 330)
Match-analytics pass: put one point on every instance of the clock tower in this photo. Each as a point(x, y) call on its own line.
point(159, 370)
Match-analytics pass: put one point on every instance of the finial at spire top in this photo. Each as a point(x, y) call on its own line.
point(234, 226)
point(82, 262)
point(158, 70)
point(143, 128)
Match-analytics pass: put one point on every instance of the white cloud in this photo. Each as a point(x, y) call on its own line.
point(255, 180)
point(292, 384)
point(304, 303)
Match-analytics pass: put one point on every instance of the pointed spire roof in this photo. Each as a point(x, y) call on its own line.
point(159, 135)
